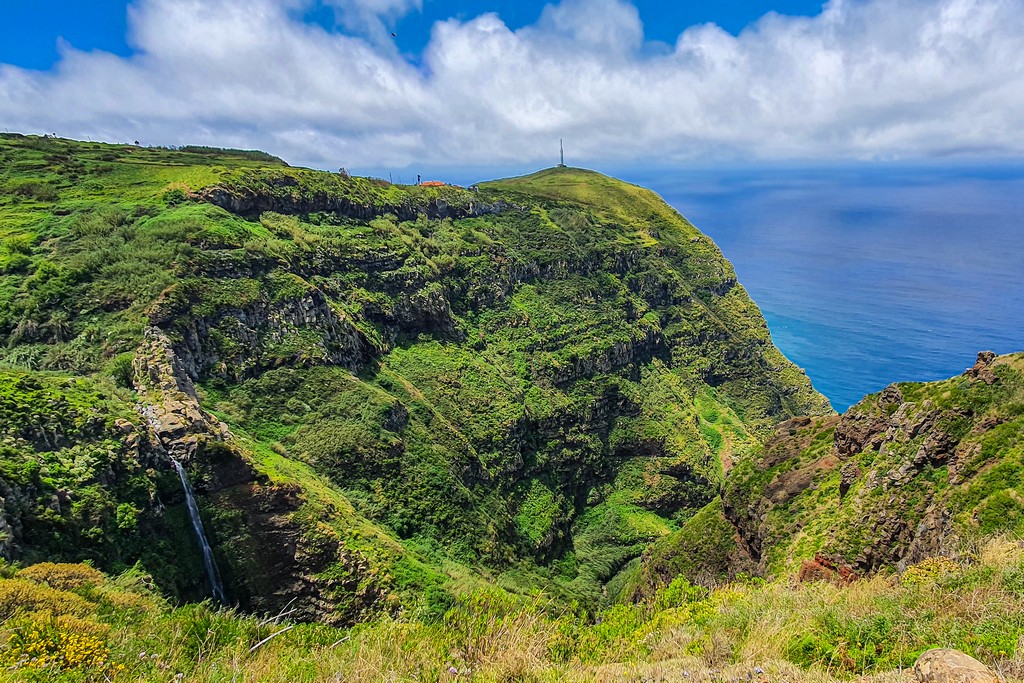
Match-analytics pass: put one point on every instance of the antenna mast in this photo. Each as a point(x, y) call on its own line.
point(561, 154)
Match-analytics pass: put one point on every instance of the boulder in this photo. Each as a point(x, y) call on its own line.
point(822, 568)
point(982, 369)
point(951, 666)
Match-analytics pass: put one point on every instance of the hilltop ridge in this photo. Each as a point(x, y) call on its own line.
point(627, 203)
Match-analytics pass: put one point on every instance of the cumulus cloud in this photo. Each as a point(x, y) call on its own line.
point(864, 79)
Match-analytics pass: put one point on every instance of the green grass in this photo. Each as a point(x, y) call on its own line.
point(625, 204)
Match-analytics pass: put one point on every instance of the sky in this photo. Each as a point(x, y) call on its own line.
point(403, 84)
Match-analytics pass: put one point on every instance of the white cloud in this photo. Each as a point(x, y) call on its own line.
point(609, 28)
point(372, 18)
point(865, 79)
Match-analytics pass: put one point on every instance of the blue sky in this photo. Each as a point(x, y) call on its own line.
point(495, 85)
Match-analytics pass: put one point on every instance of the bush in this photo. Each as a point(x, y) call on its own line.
point(62, 643)
point(175, 196)
point(113, 600)
point(15, 263)
point(23, 595)
point(202, 630)
point(857, 645)
point(33, 189)
point(122, 371)
point(18, 244)
point(930, 571)
point(62, 576)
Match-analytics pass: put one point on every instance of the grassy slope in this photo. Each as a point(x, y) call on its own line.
point(628, 205)
point(94, 628)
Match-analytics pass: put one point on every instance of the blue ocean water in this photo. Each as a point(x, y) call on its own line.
point(869, 276)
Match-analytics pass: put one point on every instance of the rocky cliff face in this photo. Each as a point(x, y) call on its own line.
point(180, 427)
point(286, 192)
point(272, 555)
point(242, 340)
point(914, 471)
point(129, 506)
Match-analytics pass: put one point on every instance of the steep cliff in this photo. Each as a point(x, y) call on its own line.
point(534, 379)
point(908, 473)
point(915, 471)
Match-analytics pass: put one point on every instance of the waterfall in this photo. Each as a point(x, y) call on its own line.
point(197, 525)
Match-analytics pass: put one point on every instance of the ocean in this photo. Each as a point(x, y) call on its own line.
point(869, 275)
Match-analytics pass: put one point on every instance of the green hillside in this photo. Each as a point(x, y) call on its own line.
point(414, 387)
point(529, 430)
point(915, 472)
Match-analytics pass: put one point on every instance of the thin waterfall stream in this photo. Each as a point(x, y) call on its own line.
point(216, 588)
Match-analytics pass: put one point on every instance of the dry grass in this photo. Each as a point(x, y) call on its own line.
point(742, 633)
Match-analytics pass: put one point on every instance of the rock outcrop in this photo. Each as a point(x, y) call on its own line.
point(284, 192)
point(982, 369)
point(942, 665)
point(169, 402)
point(889, 476)
point(271, 557)
point(823, 569)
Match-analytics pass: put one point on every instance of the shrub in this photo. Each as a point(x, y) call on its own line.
point(174, 196)
point(61, 643)
point(122, 371)
point(20, 594)
point(930, 571)
point(18, 244)
point(112, 600)
point(34, 189)
point(679, 593)
point(15, 263)
point(856, 645)
point(200, 630)
point(62, 576)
